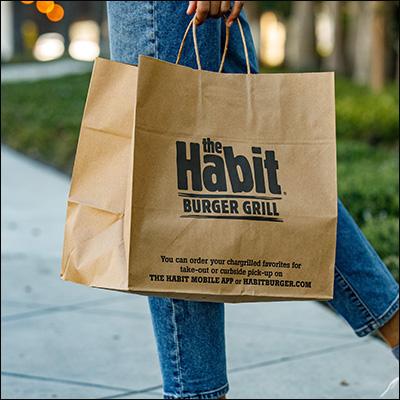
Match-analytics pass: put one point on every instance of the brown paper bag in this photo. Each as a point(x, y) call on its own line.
point(97, 229)
point(226, 193)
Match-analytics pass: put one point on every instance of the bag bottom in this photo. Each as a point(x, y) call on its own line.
point(209, 297)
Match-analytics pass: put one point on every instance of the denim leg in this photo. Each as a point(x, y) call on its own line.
point(190, 335)
point(156, 28)
point(191, 346)
point(365, 293)
point(235, 58)
point(131, 27)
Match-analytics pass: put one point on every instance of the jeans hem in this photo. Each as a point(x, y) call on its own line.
point(212, 394)
point(379, 322)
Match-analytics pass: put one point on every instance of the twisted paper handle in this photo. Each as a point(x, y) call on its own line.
point(192, 25)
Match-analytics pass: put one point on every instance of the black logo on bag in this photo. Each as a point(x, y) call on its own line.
point(226, 185)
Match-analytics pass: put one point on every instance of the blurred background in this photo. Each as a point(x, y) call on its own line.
point(357, 39)
point(63, 340)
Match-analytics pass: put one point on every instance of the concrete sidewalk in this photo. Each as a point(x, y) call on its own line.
point(37, 70)
point(61, 340)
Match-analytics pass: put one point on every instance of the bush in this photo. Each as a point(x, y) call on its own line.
point(383, 233)
point(392, 262)
point(368, 180)
point(362, 114)
point(368, 184)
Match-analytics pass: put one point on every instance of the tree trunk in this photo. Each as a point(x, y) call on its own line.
point(252, 10)
point(378, 59)
point(7, 30)
point(363, 42)
point(391, 40)
point(397, 63)
point(18, 12)
point(301, 53)
point(370, 48)
point(352, 9)
point(336, 60)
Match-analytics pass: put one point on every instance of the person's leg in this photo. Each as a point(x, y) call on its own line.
point(190, 335)
point(156, 28)
point(191, 347)
point(365, 294)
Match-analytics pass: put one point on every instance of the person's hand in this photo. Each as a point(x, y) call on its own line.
point(214, 9)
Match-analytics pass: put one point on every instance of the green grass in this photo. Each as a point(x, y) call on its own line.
point(42, 120)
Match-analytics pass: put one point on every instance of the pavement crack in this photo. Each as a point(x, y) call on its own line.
point(298, 356)
point(291, 330)
point(60, 380)
point(49, 310)
point(78, 383)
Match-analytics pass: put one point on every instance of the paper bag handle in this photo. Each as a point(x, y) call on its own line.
point(196, 48)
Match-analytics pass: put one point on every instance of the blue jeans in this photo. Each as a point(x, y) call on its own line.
point(190, 335)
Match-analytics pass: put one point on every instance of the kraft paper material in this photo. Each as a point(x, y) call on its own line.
point(204, 186)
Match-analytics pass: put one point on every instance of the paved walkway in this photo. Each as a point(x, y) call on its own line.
point(61, 340)
point(38, 70)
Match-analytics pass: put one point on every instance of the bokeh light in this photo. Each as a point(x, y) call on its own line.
point(85, 39)
point(325, 32)
point(273, 37)
point(29, 33)
point(84, 50)
point(49, 46)
point(27, 2)
point(44, 6)
point(56, 14)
